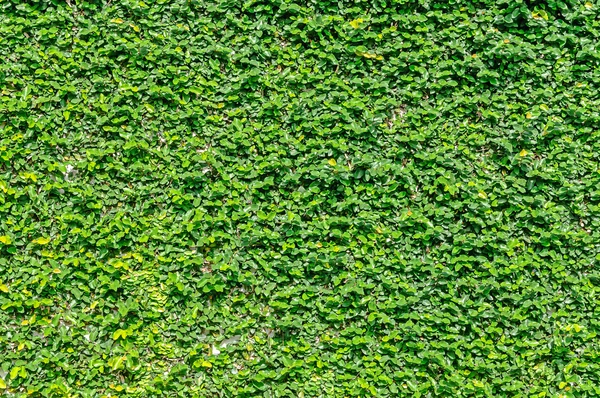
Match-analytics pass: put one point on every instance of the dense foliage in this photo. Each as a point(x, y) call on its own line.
point(314, 198)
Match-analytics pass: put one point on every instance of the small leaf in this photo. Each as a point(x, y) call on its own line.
point(588, 5)
point(3, 288)
point(528, 115)
point(117, 20)
point(332, 162)
point(14, 372)
point(540, 14)
point(206, 364)
point(5, 239)
point(66, 114)
point(117, 363)
point(2, 384)
point(523, 152)
point(41, 241)
point(356, 23)
point(562, 385)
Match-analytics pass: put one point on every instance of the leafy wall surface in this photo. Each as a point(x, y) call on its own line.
point(299, 199)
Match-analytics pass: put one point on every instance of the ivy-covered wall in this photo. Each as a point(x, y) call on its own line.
point(311, 198)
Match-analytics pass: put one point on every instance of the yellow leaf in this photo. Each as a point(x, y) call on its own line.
point(482, 195)
point(2, 384)
point(588, 5)
point(523, 152)
point(136, 28)
point(3, 288)
point(5, 239)
point(117, 20)
point(528, 115)
point(577, 328)
point(41, 241)
point(20, 346)
point(120, 333)
point(356, 23)
point(332, 162)
point(562, 385)
point(56, 271)
point(25, 322)
point(206, 364)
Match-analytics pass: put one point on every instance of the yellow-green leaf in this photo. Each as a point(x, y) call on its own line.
point(562, 385)
point(29, 176)
point(523, 152)
point(540, 14)
point(5, 239)
point(120, 333)
point(41, 241)
point(206, 364)
point(369, 55)
point(3, 288)
point(356, 23)
point(14, 372)
point(2, 384)
point(332, 162)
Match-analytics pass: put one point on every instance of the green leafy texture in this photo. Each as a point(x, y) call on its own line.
point(278, 198)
